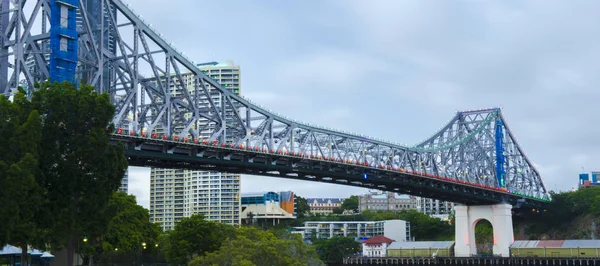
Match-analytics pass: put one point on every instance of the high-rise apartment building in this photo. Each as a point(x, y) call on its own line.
point(178, 193)
point(125, 182)
point(434, 208)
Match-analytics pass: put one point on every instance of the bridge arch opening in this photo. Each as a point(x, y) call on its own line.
point(484, 237)
point(498, 216)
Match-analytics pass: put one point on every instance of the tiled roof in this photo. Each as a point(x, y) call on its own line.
point(421, 245)
point(377, 240)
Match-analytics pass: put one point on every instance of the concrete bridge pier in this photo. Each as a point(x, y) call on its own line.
point(466, 218)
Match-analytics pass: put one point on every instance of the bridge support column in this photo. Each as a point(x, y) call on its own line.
point(466, 217)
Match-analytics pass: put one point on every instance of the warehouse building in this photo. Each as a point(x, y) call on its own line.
point(556, 248)
point(421, 249)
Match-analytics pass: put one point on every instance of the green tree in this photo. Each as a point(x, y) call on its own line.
point(80, 169)
point(335, 249)
point(484, 235)
point(195, 236)
point(426, 228)
point(252, 246)
point(351, 203)
point(20, 194)
point(338, 211)
point(301, 206)
point(129, 230)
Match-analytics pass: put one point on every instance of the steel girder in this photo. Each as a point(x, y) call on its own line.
point(159, 93)
point(466, 149)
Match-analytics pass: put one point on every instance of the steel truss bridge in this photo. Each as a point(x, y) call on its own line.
point(171, 114)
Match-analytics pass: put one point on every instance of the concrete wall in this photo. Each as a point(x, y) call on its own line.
point(395, 230)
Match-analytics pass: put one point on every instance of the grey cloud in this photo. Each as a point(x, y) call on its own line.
point(400, 69)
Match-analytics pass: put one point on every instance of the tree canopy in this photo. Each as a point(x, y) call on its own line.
point(301, 206)
point(335, 249)
point(79, 166)
point(128, 230)
point(252, 246)
point(350, 203)
point(57, 167)
point(20, 194)
point(195, 236)
point(569, 216)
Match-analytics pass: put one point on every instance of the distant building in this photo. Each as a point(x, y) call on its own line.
point(397, 230)
point(385, 202)
point(391, 202)
point(258, 208)
point(287, 202)
point(179, 193)
point(125, 182)
point(434, 208)
point(376, 246)
point(324, 205)
point(585, 181)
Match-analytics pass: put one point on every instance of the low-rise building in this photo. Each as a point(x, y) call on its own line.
point(585, 181)
point(287, 202)
point(386, 202)
point(324, 205)
point(376, 246)
point(265, 208)
point(397, 230)
point(555, 248)
point(421, 249)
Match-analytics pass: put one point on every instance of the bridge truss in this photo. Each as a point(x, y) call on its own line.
point(171, 114)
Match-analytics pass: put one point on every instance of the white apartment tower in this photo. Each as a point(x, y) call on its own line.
point(178, 193)
point(434, 208)
point(125, 182)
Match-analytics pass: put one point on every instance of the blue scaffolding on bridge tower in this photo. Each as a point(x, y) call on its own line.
point(63, 40)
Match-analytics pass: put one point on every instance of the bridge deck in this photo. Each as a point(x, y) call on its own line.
point(176, 154)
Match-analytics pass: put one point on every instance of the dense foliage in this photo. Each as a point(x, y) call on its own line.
point(350, 204)
point(570, 215)
point(252, 246)
point(335, 249)
point(196, 241)
point(79, 168)
point(302, 207)
point(484, 235)
point(129, 230)
point(57, 168)
point(193, 237)
point(20, 194)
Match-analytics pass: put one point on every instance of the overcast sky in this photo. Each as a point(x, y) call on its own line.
point(399, 70)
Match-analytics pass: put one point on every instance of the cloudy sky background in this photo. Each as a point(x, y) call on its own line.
point(399, 70)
